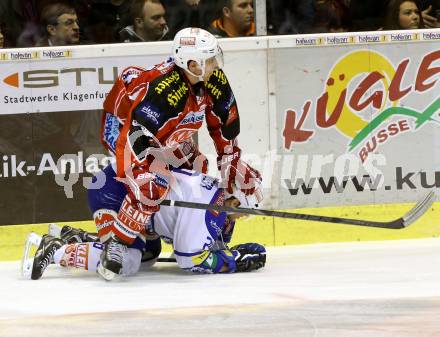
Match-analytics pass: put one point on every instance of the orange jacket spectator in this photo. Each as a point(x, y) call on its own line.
point(236, 19)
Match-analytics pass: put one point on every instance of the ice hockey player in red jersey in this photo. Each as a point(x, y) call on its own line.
point(149, 119)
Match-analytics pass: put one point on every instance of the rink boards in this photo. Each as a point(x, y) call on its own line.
point(277, 232)
point(329, 120)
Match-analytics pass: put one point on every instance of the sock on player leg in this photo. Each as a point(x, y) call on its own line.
point(79, 255)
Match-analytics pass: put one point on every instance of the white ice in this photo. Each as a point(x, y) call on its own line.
point(389, 288)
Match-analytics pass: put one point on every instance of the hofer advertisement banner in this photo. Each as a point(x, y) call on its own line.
point(357, 124)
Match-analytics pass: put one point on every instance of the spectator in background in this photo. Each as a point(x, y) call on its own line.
point(102, 20)
point(339, 19)
point(183, 14)
point(403, 14)
point(367, 14)
point(289, 17)
point(192, 2)
point(61, 25)
point(149, 23)
point(331, 16)
point(430, 13)
point(2, 38)
point(190, 13)
point(236, 19)
point(20, 22)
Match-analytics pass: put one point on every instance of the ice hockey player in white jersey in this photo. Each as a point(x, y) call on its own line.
point(199, 237)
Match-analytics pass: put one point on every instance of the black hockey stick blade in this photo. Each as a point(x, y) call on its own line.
point(166, 259)
point(416, 212)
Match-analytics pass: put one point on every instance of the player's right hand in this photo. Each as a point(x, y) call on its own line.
point(146, 189)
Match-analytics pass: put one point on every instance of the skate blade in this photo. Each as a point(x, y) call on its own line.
point(32, 240)
point(107, 274)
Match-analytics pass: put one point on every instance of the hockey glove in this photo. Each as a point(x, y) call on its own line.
point(151, 250)
point(249, 256)
point(145, 191)
point(236, 173)
point(146, 188)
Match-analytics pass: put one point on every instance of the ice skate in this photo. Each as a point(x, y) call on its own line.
point(44, 255)
point(111, 259)
point(32, 240)
point(73, 235)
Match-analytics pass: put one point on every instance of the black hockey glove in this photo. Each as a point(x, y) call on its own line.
point(249, 256)
point(151, 250)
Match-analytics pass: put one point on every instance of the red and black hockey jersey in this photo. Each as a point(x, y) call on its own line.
point(160, 105)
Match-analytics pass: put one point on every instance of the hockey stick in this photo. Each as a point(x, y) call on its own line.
point(412, 215)
point(166, 259)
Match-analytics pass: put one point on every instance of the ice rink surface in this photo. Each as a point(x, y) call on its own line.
point(389, 288)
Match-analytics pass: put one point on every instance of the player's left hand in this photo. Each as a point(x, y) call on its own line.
point(249, 256)
point(236, 172)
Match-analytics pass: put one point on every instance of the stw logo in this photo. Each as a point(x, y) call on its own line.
point(46, 78)
point(12, 80)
